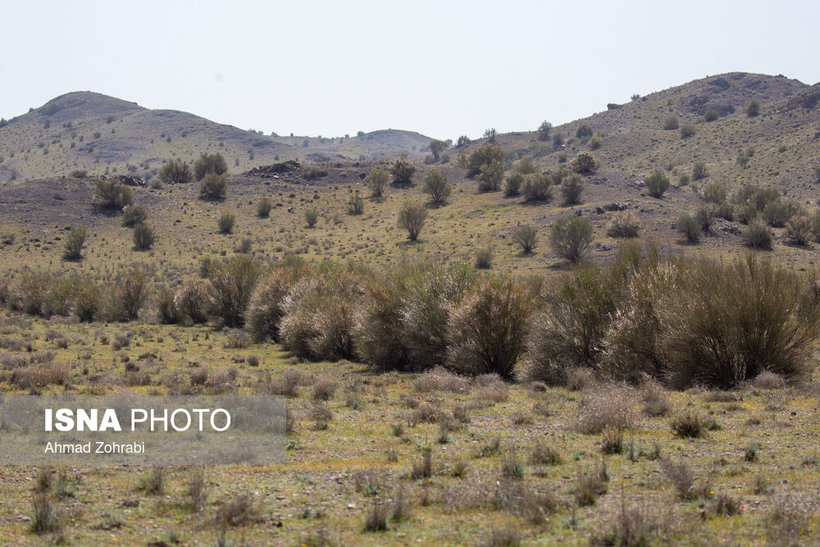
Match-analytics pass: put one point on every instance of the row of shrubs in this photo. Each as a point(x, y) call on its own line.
point(681, 322)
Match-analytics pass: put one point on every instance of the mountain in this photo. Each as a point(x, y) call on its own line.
point(102, 134)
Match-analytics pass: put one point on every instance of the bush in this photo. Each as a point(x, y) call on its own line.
point(484, 259)
point(266, 307)
point(753, 109)
point(544, 131)
point(570, 237)
point(377, 181)
point(687, 131)
point(232, 284)
point(730, 322)
point(595, 142)
point(705, 216)
point(571, 188)
point(133, 215)
point(213, 187)
point(711, 115)
point(657, 184)
point(435, 184)
point(569, 331)
point(624, 225)
point(127, 295)
point(584, 163)
point(490, 176)
point(311, 216)
point(402, 170)
point(74, 242)
point(777, 213)
point(799, 230)
point(670, 123)
point(210, 164)
point(226, 222)
point(688, 426)
point(537, 188)
point(526, 236)
point(584, 130)
point(175, 171)
point(143, 237)
point(699, 171)
point(483, 155)
point(355, 206)
point(488, 329)
point(512, 184)
point(689, 227)
point(263, 207)
point(714, 192)
point(411, 218)
point(757, 236)
point(112, 195)
point(815, 223)
point(192, 300)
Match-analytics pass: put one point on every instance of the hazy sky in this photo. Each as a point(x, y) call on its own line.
point(440, 68)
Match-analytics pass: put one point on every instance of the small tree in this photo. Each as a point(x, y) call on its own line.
point(570, 237)
point(133, 215)
point(436, 184)
point(402, 170)
point(377, 181)
point(490, 134)
point(437, 147)
point(657, 184)
point(526, 236)
point(571, 188)
point(74, 243)
point(512, 185)
point(263, 207)
point(143, 237)
point(544, 131)
point(689, 227)
point(355, 206)
point(491, 176)
point(537, 188)
point(584, 163)
point(226, 222)
point(753, 109)
point(485, 154)
point(176, 172)
point(210, 164)
point(213, 187)
point(411, 218)
point(311, 216)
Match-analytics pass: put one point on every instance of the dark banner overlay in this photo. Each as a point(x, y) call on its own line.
point(141, 430)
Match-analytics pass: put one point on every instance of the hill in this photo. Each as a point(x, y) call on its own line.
point(104, 135)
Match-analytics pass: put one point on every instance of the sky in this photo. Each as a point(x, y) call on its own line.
point(442, 68)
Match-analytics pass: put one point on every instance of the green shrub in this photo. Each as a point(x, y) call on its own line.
point(571, 188)
point(595, 142)
point(490, 176)
point(537, 188)
point(757, 236)
point(379, 325)
point(699, 171)
point(657, 184)
point(133, 215)
point(526, 236)
point(584, 163)
point(512, 184)
point(74, 242)
point(411, 218)
point(484, 258)
point(624, 225)
point(487, 331)
point(112, 195)
point(544, 131)
point(689, 227)
point(266, 307)
point(584, 130)
point(711, 115)
point(210, 164)
point(687, 131)
point(777, 213)
point(226, 222)
point(143, 237)
point(175, 171)
point(670, 123)
point(213, 187)
point(730, 322)
point(311, 216)
point(753, 109)
point(437, 147)
point(570, 237)
point(435, 184)
point(263, 207)
point(165, 307)
point(355, 206)
point(568, 333)
point(485, 154)
point(232, 284)
point(377, 181)
point(714, 192)
point(402, 170)
point(799, 230)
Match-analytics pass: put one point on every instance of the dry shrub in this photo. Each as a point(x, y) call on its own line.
point(324, 390)
point(266, 306)
point(487, 332)
point(655, 401)
point(127, 295)
point(580, 378)
point(688, 426)
point(237, 511)
point(426, 413)
point(636, 526)
point(440, 379)
point(683, 478)
point(769, 380)
point(608, 406)
point(191, 301)
point(39, 375)
point(788, 522)
point(232, 283)
point(491, 389)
